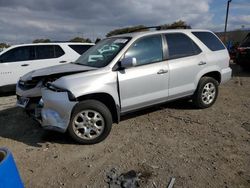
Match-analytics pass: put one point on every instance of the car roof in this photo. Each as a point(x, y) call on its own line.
point(144, 33)
point(53, 43)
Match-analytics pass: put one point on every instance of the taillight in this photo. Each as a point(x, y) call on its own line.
point(241, 49)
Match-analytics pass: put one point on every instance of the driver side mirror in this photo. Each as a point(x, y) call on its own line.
point(128, 62)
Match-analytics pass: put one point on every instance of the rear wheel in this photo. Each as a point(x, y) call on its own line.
point(91, 122)
point(206, 92)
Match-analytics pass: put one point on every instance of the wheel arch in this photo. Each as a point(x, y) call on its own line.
point(212, 71)
point(107, 100)
point(214, 74)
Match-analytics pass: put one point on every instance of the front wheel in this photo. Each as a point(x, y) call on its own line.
point(206, 92)
point(91, 122)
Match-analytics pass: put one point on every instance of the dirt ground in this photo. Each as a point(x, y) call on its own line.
point(200, 148)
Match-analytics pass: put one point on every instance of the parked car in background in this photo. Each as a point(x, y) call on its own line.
point(125, 73)
point(243, 53)
point(18, 60)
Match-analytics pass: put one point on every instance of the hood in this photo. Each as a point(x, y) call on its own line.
point(61, 70)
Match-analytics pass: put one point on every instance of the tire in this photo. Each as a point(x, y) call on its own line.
point(206, 93)
point(90, 123)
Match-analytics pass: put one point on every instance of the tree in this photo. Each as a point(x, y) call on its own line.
point(41, 40)
point(79, 39)
point(97, 40)
point(4, 45)
point(175, 25)
point(127, 30)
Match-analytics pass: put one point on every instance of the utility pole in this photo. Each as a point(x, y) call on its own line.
point(225, 30)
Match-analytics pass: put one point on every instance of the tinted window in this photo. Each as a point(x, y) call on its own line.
point(180, 45)
point(210, 40)
point(48, 51)
point(80, 49)
point(18, 54)
point(146, 50)
point(58, 51)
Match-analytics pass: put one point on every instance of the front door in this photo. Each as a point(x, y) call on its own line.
point(15, 63)
point(147, 82)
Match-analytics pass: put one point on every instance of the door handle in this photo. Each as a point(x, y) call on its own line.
point(25, 65)
point(162, 71)
point(62, 61)
point(202, 63)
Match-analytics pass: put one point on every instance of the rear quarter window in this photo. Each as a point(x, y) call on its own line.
point(210, 40)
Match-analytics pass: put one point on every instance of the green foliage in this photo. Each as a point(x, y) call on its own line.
point(4, 45)
point(79, 39)
point(41, 40)
point(127, 30)
point(175, 25)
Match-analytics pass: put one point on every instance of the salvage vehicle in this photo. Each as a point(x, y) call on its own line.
point(18, 60)
point(145, 68)
point(243, 53)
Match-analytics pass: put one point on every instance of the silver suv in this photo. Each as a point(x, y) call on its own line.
point(129, 72)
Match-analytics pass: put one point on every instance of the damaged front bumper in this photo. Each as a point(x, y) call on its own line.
point(56, 111)
point(29, 97)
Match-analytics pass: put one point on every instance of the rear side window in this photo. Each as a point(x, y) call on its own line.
point(48, 51)
point(25, 53)
point(210, 40)
point(180, 45)
point(80, 49)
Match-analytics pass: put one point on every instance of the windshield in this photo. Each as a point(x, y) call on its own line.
point(103, 52)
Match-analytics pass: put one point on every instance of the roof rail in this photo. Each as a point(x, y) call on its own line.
point(160, 26)
point(142, 28)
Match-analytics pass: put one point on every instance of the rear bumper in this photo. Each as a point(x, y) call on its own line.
point(226, 75)
point(56, 112)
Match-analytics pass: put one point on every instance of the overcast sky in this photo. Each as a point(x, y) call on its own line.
point(25, 20)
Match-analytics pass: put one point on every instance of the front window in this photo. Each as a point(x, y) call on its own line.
point(146, 50)
point(103, 52)
point(24, 53)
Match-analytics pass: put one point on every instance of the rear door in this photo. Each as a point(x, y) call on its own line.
point(185, 60)
point(47, 55)
point(147, 82)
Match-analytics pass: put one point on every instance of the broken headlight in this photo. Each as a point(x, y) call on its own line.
point(54, 88)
